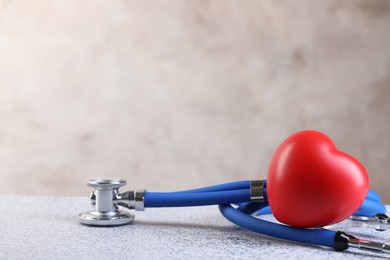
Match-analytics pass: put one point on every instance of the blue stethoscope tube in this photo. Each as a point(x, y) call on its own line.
point(244, 219)
point(239, 193)
point(182, 199)
point(233, 193)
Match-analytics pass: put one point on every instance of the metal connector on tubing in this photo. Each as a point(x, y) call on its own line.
point(369, 245)
point(257, 191)
point(132, 200)
point(344, 241)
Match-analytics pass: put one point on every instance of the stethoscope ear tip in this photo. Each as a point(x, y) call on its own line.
point(380, 221)
point(383, 222)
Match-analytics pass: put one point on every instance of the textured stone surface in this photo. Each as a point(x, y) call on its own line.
point(47, 228)
point(179, 94)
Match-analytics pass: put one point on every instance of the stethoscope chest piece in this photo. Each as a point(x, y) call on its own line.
point(103, 197)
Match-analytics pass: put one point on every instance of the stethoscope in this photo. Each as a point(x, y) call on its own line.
point(241, 202)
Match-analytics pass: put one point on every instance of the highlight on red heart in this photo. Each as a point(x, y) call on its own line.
point(312, 184)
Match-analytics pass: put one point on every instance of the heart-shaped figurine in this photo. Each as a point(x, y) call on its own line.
point(312, 184)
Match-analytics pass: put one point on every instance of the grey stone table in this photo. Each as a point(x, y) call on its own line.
point(35, 227)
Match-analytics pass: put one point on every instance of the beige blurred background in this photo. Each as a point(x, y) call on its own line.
point(179, 94)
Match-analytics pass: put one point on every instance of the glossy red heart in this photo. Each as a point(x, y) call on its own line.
point(312, 184)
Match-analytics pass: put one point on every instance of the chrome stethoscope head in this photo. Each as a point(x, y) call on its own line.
point(106, 199)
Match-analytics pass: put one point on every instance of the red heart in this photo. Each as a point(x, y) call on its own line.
point(312, 184)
